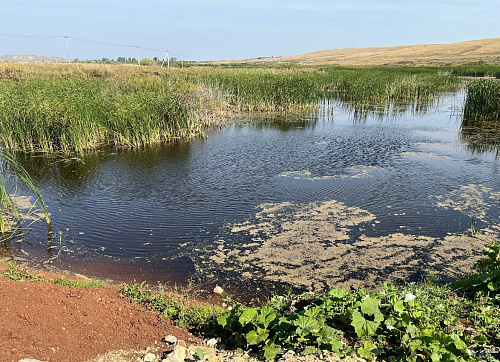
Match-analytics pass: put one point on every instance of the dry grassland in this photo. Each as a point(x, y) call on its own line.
point(485, 50)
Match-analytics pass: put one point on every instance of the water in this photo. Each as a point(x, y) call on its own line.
point(176, 212)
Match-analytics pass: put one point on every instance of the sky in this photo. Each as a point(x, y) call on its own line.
point(234, 29)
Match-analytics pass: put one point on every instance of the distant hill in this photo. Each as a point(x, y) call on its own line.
point(485, 50)
point(32, 59)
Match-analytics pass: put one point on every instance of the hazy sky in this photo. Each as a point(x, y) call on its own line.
point(233, 29)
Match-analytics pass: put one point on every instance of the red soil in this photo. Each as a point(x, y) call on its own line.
point(49, 322)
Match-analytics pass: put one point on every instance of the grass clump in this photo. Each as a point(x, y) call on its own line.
point(483, 101)
point(9, 211)
point(275, 89)
point(77, 113)
point(176, 307)
point(14, 272)
point(478, 70)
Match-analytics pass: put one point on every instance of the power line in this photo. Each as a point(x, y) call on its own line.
point(30, 36)
point(82, 40)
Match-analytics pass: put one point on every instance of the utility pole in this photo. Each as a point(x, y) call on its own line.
point(168, 61)
point(138, 61)
point(67, 47)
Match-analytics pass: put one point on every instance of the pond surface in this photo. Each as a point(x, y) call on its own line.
point(330, 198)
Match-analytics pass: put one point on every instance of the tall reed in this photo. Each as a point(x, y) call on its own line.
point(9, 211)
point(255, 89)
point(483, 100)
point(74, 107)
point(77, 113)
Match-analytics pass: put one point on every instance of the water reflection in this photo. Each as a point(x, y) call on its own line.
point(481, 136)
point(359, 112)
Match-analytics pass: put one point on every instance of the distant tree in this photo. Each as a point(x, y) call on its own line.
point(121, 60)
point(147, 62)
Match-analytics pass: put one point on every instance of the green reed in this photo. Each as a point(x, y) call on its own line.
point(479, 70)
point(76, 113)
point(73, 108)
point(483, 100)
point(263, 89)
point(9, 211)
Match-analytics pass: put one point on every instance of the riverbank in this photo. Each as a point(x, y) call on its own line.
point(51, 322)
point(47, 321)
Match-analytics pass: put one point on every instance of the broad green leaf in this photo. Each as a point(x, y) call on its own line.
point(399, 306)
point(369, 350)
point(282, 325)
point(254, 337)
point(362, 326)
point(265, 316)
point(326, 333)
point(338, 293)
point(336, 346)
point(270, 352)
point(306, 323)
point(312, 312)
point(222, 320)
point(370, 306)
point(248, 315)
point(436, 357)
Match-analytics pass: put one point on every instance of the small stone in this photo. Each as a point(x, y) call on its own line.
point(212, 342)
point(149, 357)
point(81, 277)
point(170, 340)
point(29, 360)
point(218, 290)
point(178, 355)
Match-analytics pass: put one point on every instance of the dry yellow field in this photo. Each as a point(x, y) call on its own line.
point(485, 50)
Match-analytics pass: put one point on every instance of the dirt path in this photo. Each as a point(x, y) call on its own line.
point(49, 322)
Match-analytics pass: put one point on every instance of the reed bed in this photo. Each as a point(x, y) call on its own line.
point(254, 89)
point(76, 111)
point(476, 71)
point(76, 107)
point(483, 100)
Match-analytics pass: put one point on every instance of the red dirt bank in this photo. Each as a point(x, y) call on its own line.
point(49, 322)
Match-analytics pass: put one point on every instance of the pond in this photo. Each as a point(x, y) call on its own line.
point(335, 197)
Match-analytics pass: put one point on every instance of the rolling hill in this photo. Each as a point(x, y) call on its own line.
point(485, 50)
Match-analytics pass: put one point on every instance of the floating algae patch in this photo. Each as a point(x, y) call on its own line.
point(424, 155)
point(27, 210)
point(350, 172)
point(474, 200)
point(330, 244)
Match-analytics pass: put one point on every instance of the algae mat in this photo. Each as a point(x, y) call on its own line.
point(326, 244)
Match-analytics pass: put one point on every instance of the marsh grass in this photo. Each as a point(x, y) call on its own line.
point(76, 113)
point(9, 211)
point(77, 107)
point(483, 101)
point(286, 90)
point(479, 70)
point(16, 272)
